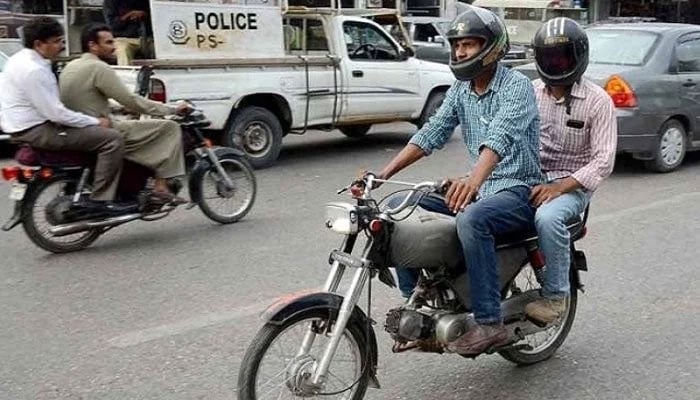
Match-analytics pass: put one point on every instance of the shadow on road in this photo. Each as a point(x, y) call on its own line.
point(327, 145)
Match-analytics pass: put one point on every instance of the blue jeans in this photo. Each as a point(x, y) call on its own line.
point(504, 212)
point(554, 239)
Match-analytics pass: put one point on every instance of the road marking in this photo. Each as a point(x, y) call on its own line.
point(146, 335)
point(176, 328)
point(681, 198)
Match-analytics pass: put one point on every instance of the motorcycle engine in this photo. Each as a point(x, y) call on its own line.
point(407, 325)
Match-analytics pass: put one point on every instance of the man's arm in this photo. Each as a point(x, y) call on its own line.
point(42, 91)
point(109, 84)
point(603, 146)
point(112, 16)
point(433, 135)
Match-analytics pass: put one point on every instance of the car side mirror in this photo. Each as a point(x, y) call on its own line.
point(143, 79)
point(439, 39)
point(406, 52)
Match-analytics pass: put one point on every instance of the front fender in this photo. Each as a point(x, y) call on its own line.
point(288, 307)
point(202, 165)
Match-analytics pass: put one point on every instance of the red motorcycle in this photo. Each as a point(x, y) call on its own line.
point(47, 186)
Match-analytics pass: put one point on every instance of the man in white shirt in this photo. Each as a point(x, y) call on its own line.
point(32, 111)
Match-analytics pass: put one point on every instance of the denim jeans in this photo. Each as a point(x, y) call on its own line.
point(550, 221)
point(504, 212)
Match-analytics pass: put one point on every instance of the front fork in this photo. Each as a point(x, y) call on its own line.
point(350, 299)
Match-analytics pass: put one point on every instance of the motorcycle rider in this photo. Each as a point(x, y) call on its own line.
point(578, 140)
point(32, 112)
point(496, 110)
point(88, 83)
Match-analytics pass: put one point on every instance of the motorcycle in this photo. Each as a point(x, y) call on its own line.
point(323, 344)
point(47, 186)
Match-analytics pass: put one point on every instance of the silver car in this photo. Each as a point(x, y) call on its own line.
point(652, 73)
point(428, 35)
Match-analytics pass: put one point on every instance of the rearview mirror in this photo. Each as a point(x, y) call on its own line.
point(143, 79)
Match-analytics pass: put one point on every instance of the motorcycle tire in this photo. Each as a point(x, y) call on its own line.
point(42, 237)
point(244, 173)
point(265, 339)
point(538, 354)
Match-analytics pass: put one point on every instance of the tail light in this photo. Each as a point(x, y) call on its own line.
point(156, 91)
point(621, 93)
point(11, 173)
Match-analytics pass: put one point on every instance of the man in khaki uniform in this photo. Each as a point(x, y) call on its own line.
point(87, 84)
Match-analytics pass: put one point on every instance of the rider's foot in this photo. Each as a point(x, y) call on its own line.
point(545, 310)
point(479, 339)
point(163, 198)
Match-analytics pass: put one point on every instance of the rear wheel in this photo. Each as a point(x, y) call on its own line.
point(36, 218)
point(272, 367)
point(671, 147)
point(545, 343)
point(258, 132)
point(221, 203)
point(355, 131)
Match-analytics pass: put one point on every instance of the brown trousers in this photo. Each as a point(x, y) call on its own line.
point(107, 143)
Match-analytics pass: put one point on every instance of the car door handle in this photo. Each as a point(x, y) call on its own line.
point(689, 84)
point(357, 73)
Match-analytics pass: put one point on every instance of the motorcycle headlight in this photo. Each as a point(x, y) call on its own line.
point(341, 218)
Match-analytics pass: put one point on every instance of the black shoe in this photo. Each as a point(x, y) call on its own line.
point(96, 209)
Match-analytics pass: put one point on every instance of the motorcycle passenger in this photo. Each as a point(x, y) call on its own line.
point(32, 112)
point(578, 140)
point(88, 83)
point(496, 110)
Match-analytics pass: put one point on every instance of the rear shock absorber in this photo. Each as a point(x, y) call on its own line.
point(537, 261)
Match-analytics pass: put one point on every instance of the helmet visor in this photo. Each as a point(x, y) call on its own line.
point(557, 60)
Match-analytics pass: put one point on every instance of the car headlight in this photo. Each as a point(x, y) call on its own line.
point(341, 218)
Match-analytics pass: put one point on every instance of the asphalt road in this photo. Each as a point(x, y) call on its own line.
point(166, 310)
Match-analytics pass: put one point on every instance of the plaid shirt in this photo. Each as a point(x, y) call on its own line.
point(586, 153)
point(504, 119)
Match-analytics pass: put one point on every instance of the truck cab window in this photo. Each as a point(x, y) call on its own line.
point(304, 36)
point(366, 42)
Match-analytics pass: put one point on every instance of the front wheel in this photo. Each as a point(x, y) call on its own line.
point(274, 367)
point(220, 202)
point(543, 344)
point(38, 208)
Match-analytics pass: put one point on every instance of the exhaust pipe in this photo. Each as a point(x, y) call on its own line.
point(81, 226)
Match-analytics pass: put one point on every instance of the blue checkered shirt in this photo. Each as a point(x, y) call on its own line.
point(504, 119)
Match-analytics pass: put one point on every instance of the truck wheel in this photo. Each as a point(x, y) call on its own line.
point(257, 132)
point(434, 102)
point(670, 147)
point(355, 131)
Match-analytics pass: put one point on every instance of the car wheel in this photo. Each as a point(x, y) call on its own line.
point(670, 147)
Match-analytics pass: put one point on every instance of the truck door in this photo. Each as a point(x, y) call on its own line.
point(319, 81)
point(381, 80)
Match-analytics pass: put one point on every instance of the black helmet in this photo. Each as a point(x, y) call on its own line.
point(561, 51)
point(481, 23)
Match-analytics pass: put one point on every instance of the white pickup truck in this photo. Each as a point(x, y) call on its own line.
point(262, 72)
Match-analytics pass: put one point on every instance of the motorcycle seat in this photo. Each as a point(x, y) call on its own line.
point(519, 238)
point(30, 156)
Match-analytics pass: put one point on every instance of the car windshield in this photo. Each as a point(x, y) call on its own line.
point(444, 26)
point(620, 47)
